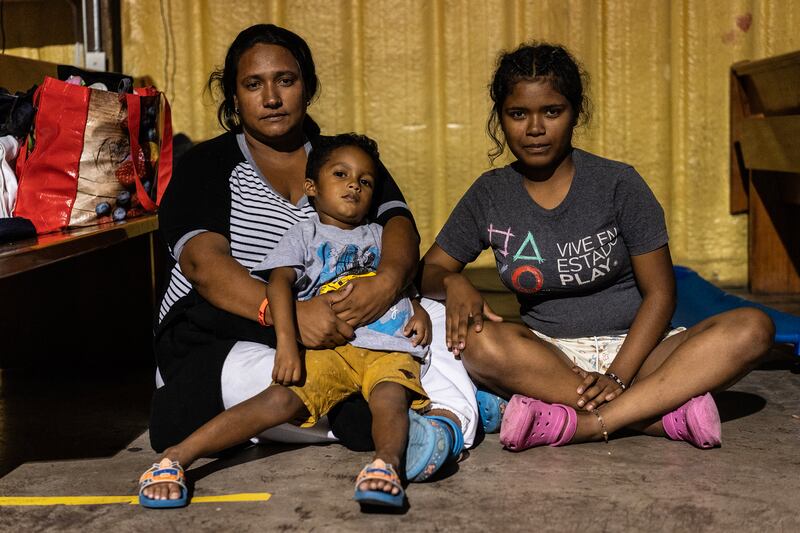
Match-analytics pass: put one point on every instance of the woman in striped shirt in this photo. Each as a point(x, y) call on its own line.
point(229, 202)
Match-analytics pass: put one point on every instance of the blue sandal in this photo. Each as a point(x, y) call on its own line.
point(377, 469)
point(455, 431)
point(164, 472)
point(491, 408)
point(429, 446)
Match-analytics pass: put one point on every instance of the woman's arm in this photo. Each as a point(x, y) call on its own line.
point(226, 284)
point(441, 279)
point(399, 252)
point(656, 282)
point(371, 297)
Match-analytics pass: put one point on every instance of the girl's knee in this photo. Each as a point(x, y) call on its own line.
point(498, 351)
point(485, 348)
point(751, 328)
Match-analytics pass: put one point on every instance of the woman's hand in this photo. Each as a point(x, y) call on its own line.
point(318, 325)
point(464, 304)
point(367, 299)
point(419, 326)
point(288, 367)
point(596, 389)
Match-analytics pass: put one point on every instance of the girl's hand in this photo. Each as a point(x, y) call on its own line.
point(317, 323)
point(464, 304)
point(288, 368)
point(420, 326)
point(596, 389)
point(366, 300)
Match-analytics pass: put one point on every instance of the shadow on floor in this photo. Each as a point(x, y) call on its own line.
point(239, 455)
point(736, 404)
point(61, 414)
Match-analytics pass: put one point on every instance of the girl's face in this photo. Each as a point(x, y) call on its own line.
point(537, 122)
point(269, 93)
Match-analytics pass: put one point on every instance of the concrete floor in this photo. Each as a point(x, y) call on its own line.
point(78, 437)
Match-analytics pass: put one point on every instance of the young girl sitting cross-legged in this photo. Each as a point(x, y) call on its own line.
point(582, 242)
point(382, 362)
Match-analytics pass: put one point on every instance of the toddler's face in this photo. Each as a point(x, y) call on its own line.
point(343, 190)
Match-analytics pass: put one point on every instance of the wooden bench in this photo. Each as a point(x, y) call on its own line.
point(765, 168)
point(84, 292)
point(29, 254)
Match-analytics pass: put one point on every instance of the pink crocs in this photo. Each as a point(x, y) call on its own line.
point(696, 422)
point(528, 423)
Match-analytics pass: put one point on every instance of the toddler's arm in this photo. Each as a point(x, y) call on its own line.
point(288, 365)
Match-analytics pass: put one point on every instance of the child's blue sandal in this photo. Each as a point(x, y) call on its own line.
point(491, 408)
point(164, 472)
point(429, 445)
point(378, 470)
point(455, 434)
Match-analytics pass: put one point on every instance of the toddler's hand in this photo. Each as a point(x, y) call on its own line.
point(288, 368)
point(419, 326)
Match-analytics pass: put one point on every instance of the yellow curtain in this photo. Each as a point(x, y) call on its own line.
point(413, 75)
point(59, 53)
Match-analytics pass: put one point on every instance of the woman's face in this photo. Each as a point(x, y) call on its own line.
point(537, 122)
point(270, 94)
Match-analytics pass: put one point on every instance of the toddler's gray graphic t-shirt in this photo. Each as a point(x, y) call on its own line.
point(321, 254)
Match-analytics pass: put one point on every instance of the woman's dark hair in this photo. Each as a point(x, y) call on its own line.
point(224, 79)
point(536, 62)
point(325, 145)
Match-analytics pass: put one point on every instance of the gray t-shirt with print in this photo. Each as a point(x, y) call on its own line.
point(321, 254)
point(570, 266)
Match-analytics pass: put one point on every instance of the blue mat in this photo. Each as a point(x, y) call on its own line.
point(698, 299)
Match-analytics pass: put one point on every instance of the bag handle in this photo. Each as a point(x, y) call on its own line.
point(165, 152)
point(22, 154)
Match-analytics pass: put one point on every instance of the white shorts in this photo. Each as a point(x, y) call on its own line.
point(593, 354)
point(248, 371)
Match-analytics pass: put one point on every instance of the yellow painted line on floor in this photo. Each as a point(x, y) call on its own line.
point(132, 500)
point(66, 500)
point(244, 497)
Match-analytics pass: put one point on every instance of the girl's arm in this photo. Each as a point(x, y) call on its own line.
point(288, 366)
point(656, 282)
point(438, 269)
point(441, 279)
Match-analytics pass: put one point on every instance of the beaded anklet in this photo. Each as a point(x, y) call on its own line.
point(596, 413)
